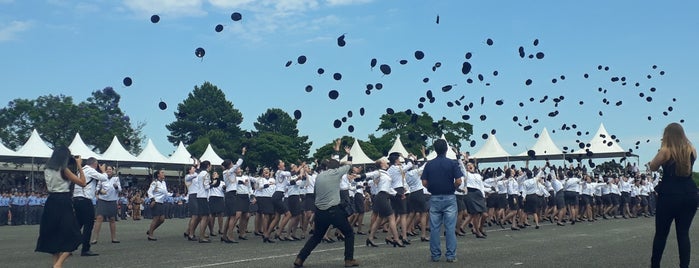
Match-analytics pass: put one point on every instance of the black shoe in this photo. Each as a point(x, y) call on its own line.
point(361, 233)
point(242, 237)
point(192, 238)
point(370, 243)
point(560, 224)
point(204, 241)
point(185, 235)
point(88, 254)
point(152, 239)
point(424, 239)
point(514, 228)
point(116, 241)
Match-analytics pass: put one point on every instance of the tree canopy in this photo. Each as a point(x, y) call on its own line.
point(416, 129)
point(276, 137)
point(58, 118)
point(206, 115)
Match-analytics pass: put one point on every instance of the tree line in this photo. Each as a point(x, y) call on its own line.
point(205, 117)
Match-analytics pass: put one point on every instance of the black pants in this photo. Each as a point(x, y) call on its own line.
point(681, 209)
point(323, 219)
point(3, 215)
point(85, 213)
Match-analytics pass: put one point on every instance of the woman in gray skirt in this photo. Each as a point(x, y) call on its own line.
point(108, 194)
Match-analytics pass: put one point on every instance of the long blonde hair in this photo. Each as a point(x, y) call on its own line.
point(680, 148)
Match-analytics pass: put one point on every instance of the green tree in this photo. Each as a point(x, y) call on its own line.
point(58, 118)
point(276, 137)
point(206, 115)
point(416, 129)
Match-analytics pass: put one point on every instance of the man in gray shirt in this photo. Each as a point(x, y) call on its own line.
point(328, 209)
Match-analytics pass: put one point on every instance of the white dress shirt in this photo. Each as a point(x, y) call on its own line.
point(158, 191)
point(92, 177)
point(110, 192)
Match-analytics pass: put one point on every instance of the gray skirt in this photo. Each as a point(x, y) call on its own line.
point(108, 209)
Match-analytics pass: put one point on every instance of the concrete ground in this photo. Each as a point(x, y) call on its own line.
point(605, 243)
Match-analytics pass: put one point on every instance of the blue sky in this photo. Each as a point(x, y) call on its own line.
point(76, 47)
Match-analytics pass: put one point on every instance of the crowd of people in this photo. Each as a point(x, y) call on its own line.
point(283, 206)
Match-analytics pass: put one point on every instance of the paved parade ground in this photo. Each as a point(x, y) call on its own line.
point(605, 243)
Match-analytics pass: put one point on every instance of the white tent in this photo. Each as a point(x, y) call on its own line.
point(544, 146)
point(181, 156)
point(492, 151)
point(398, 147)
point(450, 153)
point(602, 145)
point(150, 154)
point(211, 156)
point(358, 155)
point(78, 147)
point(117, 153)
point(6, 153)
point(35, 147)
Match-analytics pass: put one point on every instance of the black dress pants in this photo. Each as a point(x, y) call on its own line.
point(679, 208)
point(85, 213)
point(323, 219)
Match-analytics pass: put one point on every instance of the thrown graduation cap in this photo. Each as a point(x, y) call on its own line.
point(337, 76)
point(499, 102)
point(662, 72)
point(127, 81)
point(344, 119)
point(218, 28)
point(483, 117)
point(309, 88)
point(554, 80)
point(288, 63)
point(341, 41)
point(489, 42)
point(468, 55)
point(480, 77)
point(531, 153)
point(446, 88)
point(419, 55)
point(321, 71)
point(378, 86)
point(536, 42)
point(515, 118)
point(521, 52)
point(484, 136)
point(162, 105)
point(425, 80)
point(297, 114)
point(389, 110)
point(464, 117)
point(385, 69)
point(301, 59)
point(199, 52)
point(403, 62)
point(236, 16)
point(495, 73)
point(540, 55)
point(473, 143)
point(528, 82)
point(420, 106)
point(369, 86)
point(586, 75)
point(155, 19)
point(361, 111)
point(350, 128)
point(437, 19)
point(514, 144)
point(652, 89)
point(373, 63)
point(337, 123)
point(349, 114)
point(482, 100)
point(333, 94)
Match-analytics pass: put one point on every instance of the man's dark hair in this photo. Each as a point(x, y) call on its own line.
point(440, 147)
point(332, 164)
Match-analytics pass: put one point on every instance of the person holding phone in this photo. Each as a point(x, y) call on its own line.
point(59, 234)
point(677, 193)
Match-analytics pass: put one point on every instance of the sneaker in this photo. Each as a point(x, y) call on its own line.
point(351, 263)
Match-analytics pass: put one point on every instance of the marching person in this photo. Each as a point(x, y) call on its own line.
point(192, 183)
point(677, 193)
point(157, 192)
point(107, 205)
point(328, 209)
point(59, 234)
point(231, 182)
point(82, 201)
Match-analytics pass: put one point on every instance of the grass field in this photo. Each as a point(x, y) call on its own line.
point(606, 243)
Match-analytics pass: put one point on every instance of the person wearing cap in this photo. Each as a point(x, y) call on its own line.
point(441, 176)
point(82, 201)
point(329, 210)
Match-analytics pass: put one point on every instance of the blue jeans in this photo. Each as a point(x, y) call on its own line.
point(443, 211)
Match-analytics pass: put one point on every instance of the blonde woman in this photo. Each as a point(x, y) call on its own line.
point(677, 193)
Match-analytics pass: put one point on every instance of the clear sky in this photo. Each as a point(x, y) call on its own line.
point(76, 47)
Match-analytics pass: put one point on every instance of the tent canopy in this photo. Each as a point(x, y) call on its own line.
point(358, 155)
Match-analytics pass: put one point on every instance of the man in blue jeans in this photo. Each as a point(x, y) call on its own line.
point(441, 177)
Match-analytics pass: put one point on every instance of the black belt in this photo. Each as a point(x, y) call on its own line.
point(81, 198)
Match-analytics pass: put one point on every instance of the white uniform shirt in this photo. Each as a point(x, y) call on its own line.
point(265, 192)
point(110, 193)
point(242, 185)
point(204, 181)
point(572, 184)
point(92, 177)
point(282, 180)
point(311, 183)
point(193, 180)
point(158, 191)
point(383, 181)
point(218, 191)
point(397, 175)
point(412, 177)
